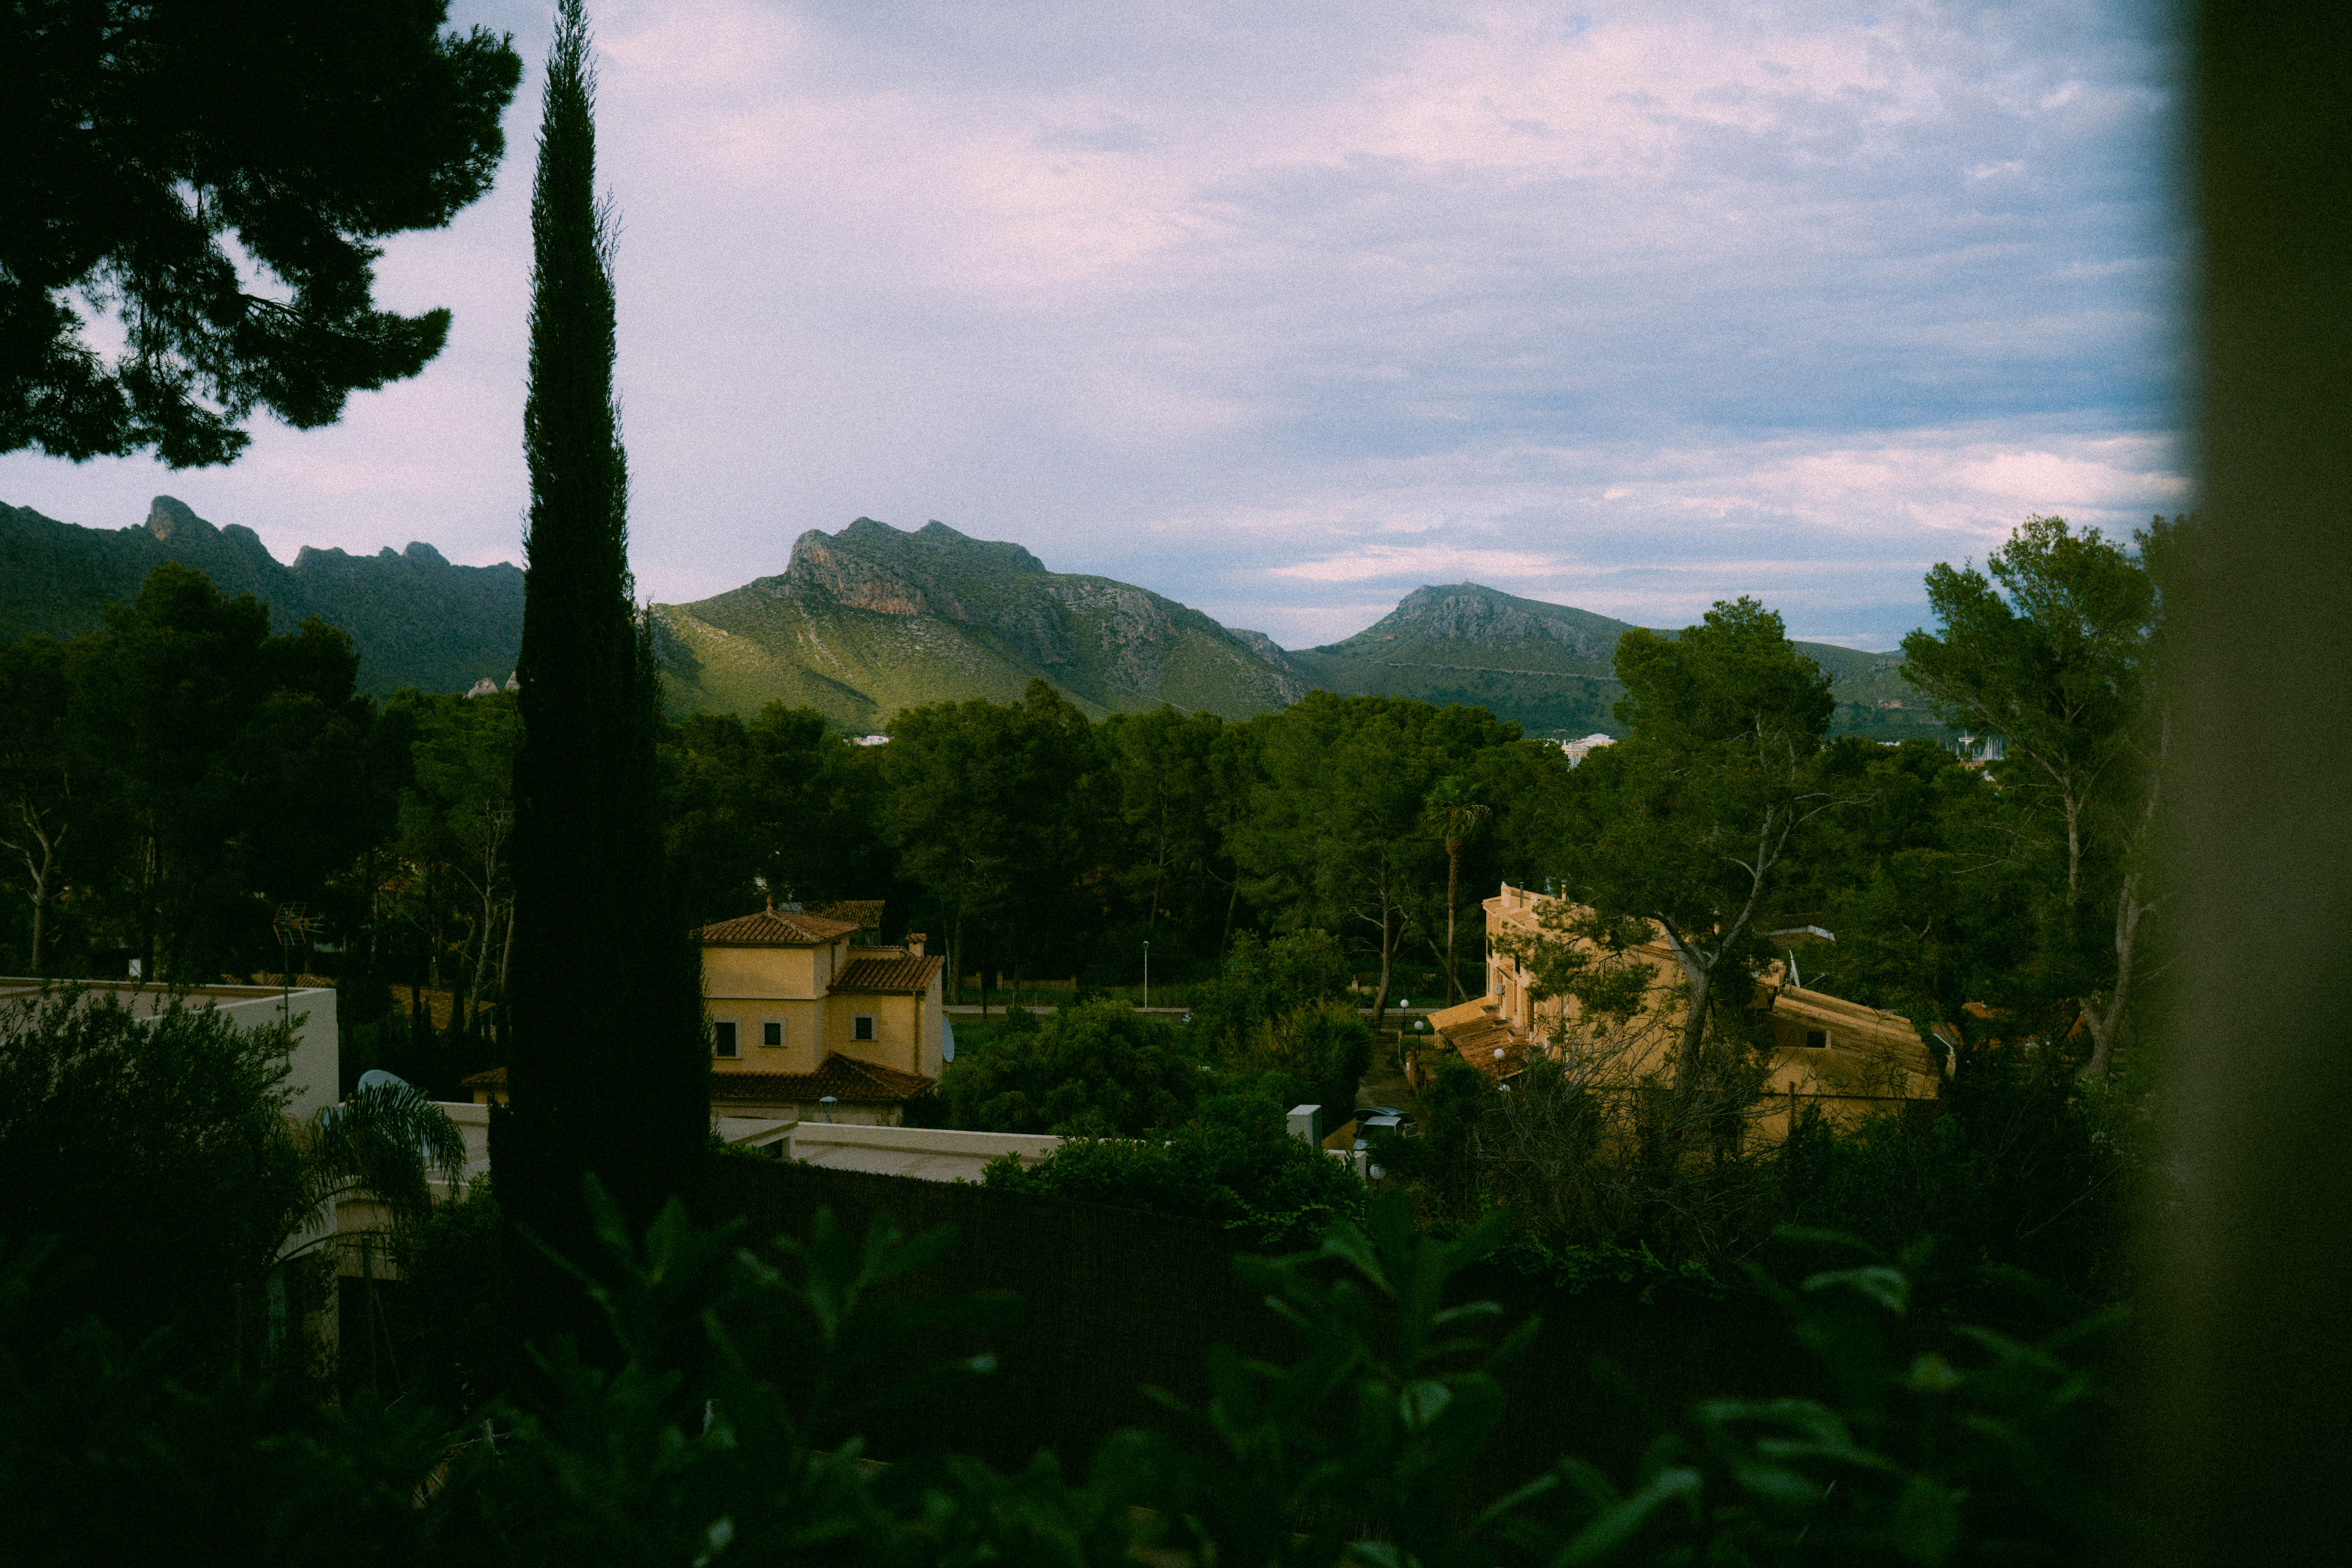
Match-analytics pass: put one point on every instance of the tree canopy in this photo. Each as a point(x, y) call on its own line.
point(141, 137)
point(1691, 821)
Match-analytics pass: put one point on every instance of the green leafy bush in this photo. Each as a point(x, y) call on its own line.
point(158, 1149)
point(728, 1428)
point(1239, 1169)
point(1098, 1069)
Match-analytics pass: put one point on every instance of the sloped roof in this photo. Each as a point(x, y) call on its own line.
point(891, 975)
point(774, 927)
point(845, 1079)
point(1476, 1031)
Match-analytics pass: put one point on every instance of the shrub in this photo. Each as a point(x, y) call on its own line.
point(1238, 1168)
point(1099, 1070)
point(158, 1150)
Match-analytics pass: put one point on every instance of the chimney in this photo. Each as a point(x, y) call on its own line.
point(914, 944)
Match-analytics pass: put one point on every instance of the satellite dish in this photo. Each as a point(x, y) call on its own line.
point(376, 1077)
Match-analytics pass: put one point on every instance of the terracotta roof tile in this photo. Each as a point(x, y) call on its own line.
point(888, 974)
point(1476, 1034)
point(845, 1079)
point(774, 927)
point(494, 1078)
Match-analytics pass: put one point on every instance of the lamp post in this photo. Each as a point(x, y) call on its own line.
point(1147, 975)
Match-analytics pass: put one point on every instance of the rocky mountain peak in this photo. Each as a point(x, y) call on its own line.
point(167, 516)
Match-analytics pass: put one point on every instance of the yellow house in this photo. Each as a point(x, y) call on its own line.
point(808, 1023)
point(799, 1011)
point(1848, 1058)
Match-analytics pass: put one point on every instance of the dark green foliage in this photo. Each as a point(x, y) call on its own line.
point(1694, 821)
point(2016, 1166)
point(997, 812)
point(158, 1152)
point(454, 840)
point(1239, 1169)
point(414, 617)
point(778, 807)
point(109, 1453)
point(138, 135)
point(43, 758)
point(607, 1066)
point(1098, 1069)
point(226, 763)
point(1276, 1024)
point(1337, 832)
point(2064, 661)
point(1939, 1442)
point(1368, 1437)
point(732, 1420)
point(1442, 1160)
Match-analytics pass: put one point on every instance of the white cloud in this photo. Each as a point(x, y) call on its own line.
point(1237, 300)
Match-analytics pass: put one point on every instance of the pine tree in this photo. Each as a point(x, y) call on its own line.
point(607, 1069)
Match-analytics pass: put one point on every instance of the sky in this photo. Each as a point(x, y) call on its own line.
point(1283, 310)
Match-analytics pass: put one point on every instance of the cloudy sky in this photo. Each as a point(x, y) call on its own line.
point(1284, 308)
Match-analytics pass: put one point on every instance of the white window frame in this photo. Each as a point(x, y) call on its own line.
point(783, 1035)
point(872, 1030)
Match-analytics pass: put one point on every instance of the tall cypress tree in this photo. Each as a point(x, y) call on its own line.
point(607, 1070)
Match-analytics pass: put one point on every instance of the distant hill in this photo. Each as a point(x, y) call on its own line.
point(415, 618)
point(1551, 668)
point(870, 620)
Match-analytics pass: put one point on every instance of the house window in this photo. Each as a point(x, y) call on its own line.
point(722, 1037)
point(1817, 1039)
point(861, 1028)
point(772, 1034)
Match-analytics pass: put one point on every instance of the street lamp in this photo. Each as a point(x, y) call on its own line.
point(1146, 976)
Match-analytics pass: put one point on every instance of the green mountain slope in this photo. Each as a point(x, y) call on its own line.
point(415, 618)
point(870, 620)
point(1551, 668)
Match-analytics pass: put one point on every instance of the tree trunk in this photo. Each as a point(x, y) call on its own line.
point(506, 952)
point(1453, 901)
point(1700, 979)
point(149, 875)
point(955, 957)
point(2073, 847)
point(1388, 954)
point(2107, 1023)
point(44, 877)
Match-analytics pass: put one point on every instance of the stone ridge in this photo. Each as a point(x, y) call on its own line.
point(415, 618)
point(1485, 615)
point(953, 618)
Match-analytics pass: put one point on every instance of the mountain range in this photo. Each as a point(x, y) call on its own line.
point(872, 619)
point(415, 618)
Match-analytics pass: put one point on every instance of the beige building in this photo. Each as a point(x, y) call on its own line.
point(1848, 1058)
point(808, 1023)
point(306, 1011)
